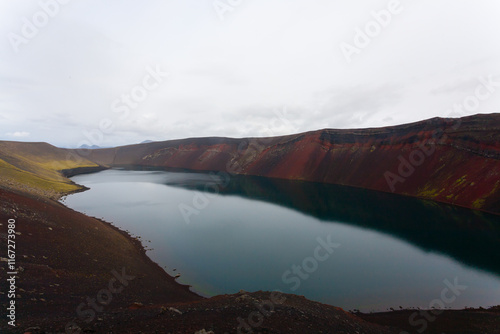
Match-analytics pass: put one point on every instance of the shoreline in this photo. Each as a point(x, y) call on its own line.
point(135, 241)
point(140, 248)
point(64, 256)
point(187, 170)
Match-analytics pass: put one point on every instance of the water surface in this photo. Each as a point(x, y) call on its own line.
point(223, 235)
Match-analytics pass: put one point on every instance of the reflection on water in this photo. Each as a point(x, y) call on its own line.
point(255, 232)
point(471, 237)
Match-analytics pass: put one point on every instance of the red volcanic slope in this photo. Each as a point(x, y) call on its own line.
point(449, 160)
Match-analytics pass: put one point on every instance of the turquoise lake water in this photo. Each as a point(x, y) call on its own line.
point(348, 247)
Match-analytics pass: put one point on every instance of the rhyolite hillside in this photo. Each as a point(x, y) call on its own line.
point(452, 160)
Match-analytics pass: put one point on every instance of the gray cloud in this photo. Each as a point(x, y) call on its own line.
point(229, 78)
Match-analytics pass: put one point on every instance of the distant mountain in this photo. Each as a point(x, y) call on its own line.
point(455, 161)
point(87, 147)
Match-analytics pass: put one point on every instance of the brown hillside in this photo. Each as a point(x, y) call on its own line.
point(454, 161)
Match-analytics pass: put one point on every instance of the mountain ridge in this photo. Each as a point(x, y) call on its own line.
point(451, 160)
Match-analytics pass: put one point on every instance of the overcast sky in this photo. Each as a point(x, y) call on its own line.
point(120, 71)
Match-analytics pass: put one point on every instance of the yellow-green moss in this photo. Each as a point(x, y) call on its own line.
point(428, 192)
point(461, 180)
point(478, 203)
point(36, 168)
point(13, 177)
